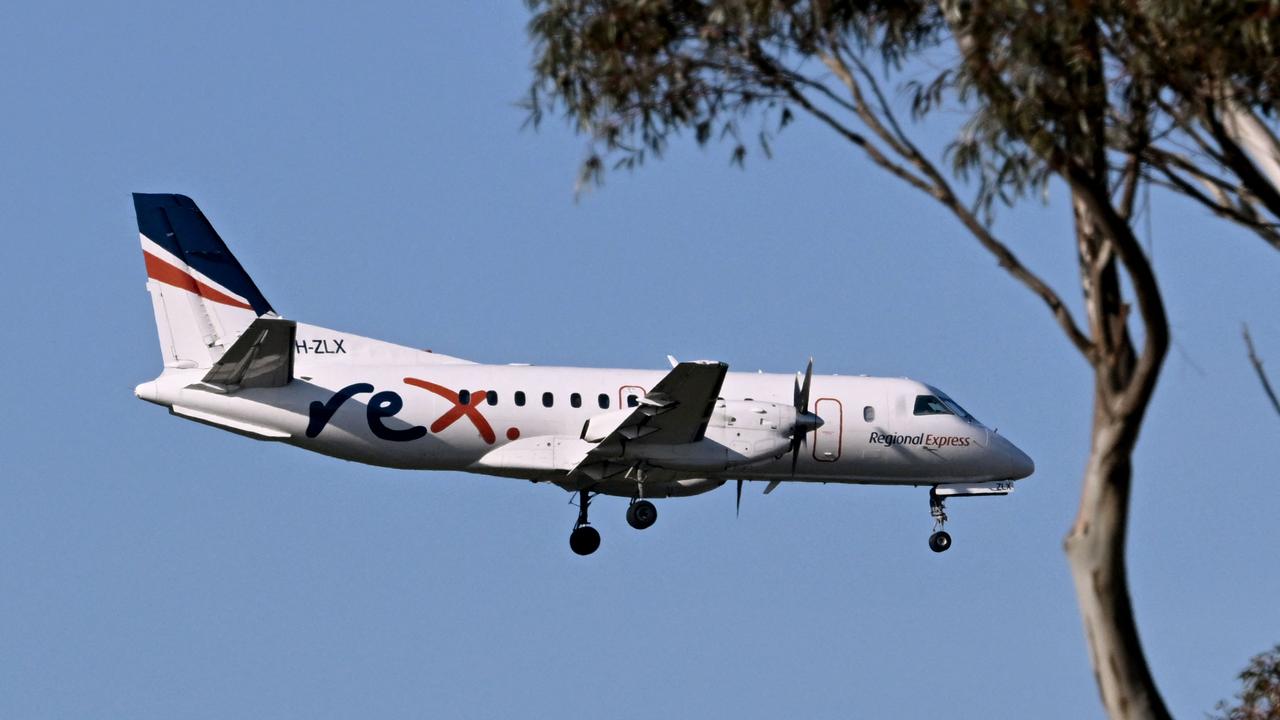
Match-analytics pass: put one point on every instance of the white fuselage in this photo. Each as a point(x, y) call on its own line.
point(382, 404)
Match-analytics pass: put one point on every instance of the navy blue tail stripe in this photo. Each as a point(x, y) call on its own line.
point(175, 223)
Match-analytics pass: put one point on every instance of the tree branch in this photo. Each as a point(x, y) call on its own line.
point(940, 189)
point(1241, 214)
point(1240, 164)
point(1262, 375)
point(1129, 186)
point(1155, 322)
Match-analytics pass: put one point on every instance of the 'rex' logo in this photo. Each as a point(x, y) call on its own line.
point(383, 406)
point(470, 409)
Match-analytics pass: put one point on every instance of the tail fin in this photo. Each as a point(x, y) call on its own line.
point(203, 299)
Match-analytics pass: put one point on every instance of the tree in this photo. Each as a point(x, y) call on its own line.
point(1108, 98)
point(1259, 699)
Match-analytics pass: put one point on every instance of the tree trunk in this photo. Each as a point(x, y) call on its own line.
point(1095, 549)
point(1123, 385)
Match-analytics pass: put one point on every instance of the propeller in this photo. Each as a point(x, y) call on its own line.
point(805, 420)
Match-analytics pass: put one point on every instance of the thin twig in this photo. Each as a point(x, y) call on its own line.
point(1257, 365)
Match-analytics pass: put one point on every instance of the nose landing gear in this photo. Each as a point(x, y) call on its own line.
point(940, 540)
point(584, 539)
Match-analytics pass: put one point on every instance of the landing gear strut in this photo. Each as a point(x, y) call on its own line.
point(641, 514)
point(940, 540)
point(584, 539)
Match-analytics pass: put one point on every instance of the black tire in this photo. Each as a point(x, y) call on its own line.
point(940, 541)
point(642, 514)
point(584, 540)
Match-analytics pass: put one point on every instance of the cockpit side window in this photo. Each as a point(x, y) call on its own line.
point(931, 405)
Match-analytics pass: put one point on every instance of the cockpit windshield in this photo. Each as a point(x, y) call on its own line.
point(931, 405)
point(939, 403)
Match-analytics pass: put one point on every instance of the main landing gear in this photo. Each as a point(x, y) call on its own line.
point(641, 514)
point(584, 539)
point(940, 540)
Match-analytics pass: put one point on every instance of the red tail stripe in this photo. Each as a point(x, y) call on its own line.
point(161, 271)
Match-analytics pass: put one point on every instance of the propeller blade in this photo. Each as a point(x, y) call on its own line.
point(772, 484)
point(802, 391)
point(801, 400)
point(737, 510)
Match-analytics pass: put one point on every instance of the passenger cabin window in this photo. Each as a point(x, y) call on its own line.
point(464, 397)
point(520, 398)
point(548, 399)
point(575, 400)
point(632, 401)
point(869, 413)
point(491, 397)
point(930, 405)
point(603, 400)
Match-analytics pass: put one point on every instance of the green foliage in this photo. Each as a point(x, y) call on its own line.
point(633, 74)
point(1259, 699)
point(1109, 90)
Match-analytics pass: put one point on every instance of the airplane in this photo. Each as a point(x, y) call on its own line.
point(232, 362)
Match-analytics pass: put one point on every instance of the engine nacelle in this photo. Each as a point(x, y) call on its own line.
point(688, 487)
point(753, 430)
point(739, 432)
point(655, 490)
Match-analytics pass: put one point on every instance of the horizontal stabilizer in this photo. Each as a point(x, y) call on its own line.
point(240, 427)
point(262, 357)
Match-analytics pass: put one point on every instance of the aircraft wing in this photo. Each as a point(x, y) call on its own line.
point(674, 412)
point(261, 357)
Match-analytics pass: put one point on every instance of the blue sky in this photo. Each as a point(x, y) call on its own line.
point(367, 165)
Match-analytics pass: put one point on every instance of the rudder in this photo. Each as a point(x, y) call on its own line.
point(202, 297)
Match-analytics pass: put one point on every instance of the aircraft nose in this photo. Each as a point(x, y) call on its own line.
point(1021, 464)
point(1017, 463)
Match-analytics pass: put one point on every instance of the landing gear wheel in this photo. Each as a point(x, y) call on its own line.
point(642, 514)
point(940, 540)
point(584, 540)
